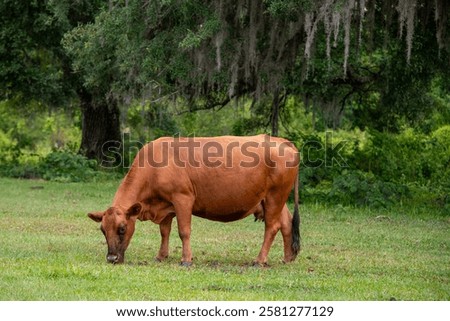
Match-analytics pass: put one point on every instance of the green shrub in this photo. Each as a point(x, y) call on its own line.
point(23, 165)
point(441, 156)
point(358, 188)
point(8, 147)
point(67, 167)
point(325, 156)
point(60, 166)
point(406, 157)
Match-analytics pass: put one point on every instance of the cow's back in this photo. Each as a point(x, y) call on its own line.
point(228, 176)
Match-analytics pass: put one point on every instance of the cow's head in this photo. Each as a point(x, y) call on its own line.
point(118, 227)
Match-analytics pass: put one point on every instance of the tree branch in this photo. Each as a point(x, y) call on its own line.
point(210, 105)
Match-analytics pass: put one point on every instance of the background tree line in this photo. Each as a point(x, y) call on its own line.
point(77, 74)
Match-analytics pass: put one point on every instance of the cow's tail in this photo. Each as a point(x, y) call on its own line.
point(296, 221)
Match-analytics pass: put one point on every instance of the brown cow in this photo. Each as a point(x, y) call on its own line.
point(218, 178)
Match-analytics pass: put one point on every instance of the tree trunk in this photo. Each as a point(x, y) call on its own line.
point(276, 102)
point(100, 127)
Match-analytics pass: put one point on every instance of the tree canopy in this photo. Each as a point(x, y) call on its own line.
point(332, 52)
point(357, 59)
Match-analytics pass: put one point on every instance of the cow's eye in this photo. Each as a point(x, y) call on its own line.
point(122, 230)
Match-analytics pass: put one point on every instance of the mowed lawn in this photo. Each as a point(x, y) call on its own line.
point(50, 250)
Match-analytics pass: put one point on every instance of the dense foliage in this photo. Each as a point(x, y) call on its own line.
point(362, 87)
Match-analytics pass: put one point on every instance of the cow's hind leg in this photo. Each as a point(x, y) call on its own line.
point(269, 235)
point(272, 225)
point(286, 231)
point(164, 227)
point(183, 209)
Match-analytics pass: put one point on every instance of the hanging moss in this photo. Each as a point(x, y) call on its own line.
point(442, 8)
point(216, 50)
point(406, 13)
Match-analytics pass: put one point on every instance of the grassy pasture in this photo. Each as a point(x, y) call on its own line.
point(50, 250)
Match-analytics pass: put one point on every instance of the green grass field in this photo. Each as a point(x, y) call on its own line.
point(50, 250)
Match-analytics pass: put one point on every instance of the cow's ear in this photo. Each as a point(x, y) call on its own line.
point(96, 216)
point(134, 210)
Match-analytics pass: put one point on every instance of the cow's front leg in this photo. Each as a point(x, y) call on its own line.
point(183, 209)
point(164, 227)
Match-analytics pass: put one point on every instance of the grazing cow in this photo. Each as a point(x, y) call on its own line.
point(218, 178)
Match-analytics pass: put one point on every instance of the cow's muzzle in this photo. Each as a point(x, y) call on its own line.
point(114, 258)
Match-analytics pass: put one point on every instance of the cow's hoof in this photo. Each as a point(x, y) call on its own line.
point(160, 259)
point(289, 260)
point(186, 264)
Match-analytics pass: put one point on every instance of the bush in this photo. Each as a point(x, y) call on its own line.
point(8, 147)
point(441, 156)
point(61, 166)
point(356, 187)
point(67, 167)
point(326, 156)
point(406, 157)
